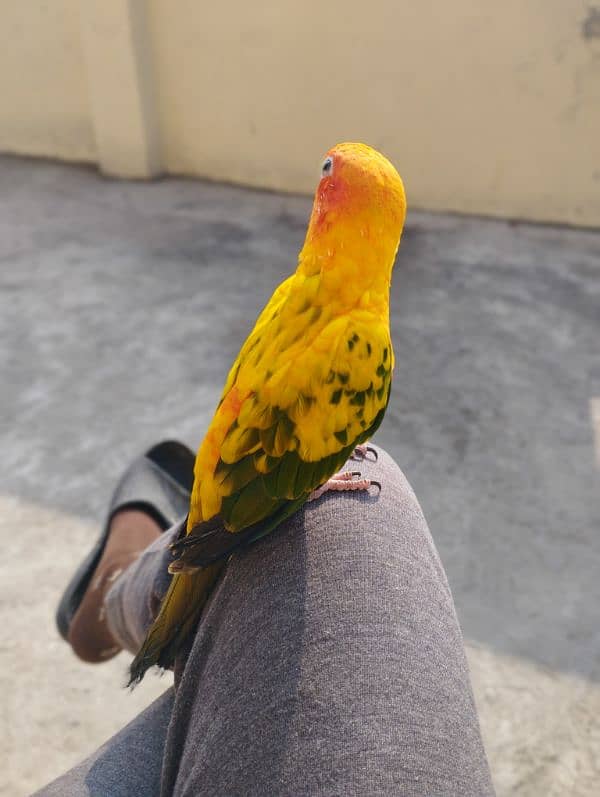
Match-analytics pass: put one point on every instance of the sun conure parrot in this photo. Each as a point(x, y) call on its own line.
point(310, 384)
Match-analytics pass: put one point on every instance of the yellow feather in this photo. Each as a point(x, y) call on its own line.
point(340, 289)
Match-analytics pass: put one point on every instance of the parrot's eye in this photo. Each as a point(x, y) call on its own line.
point(327, 167)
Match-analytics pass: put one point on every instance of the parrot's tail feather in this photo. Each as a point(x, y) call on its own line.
point(179, 613)
point(209, 543)
point(205, 529)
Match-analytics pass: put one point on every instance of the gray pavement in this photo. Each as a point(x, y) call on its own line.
point(123, 304)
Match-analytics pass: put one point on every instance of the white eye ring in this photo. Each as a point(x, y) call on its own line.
point(327, 167)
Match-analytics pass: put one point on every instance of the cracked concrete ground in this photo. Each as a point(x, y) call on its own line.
point(121, 307)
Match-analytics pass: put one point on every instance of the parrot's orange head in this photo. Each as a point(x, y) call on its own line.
point(359, 184)
point(358, 211)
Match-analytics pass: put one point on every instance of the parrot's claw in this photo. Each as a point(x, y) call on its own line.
point(342, 482)
point(361, 452)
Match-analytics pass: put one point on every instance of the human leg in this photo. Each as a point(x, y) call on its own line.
point(109, 604)
point(90, 635)
point(330, 661)
point(149, 497)
point(133, 600)
point(127, 765)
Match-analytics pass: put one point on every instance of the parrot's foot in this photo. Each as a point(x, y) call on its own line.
point(362, 452)
point(342, 482)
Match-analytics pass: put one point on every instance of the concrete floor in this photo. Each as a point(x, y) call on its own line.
point(122, 305)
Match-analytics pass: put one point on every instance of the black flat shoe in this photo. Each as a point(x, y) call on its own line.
point(159, 483)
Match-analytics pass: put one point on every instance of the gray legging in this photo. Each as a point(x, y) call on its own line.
point(329, 661)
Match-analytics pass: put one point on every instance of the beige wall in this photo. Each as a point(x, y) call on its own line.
point(44, 108)
point(489, 108)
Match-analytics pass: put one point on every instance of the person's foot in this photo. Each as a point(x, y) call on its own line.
point(131, 531)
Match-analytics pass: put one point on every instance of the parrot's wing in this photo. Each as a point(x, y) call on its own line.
point(267, 458)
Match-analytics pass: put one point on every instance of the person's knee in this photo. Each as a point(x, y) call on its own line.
point(345, 549)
